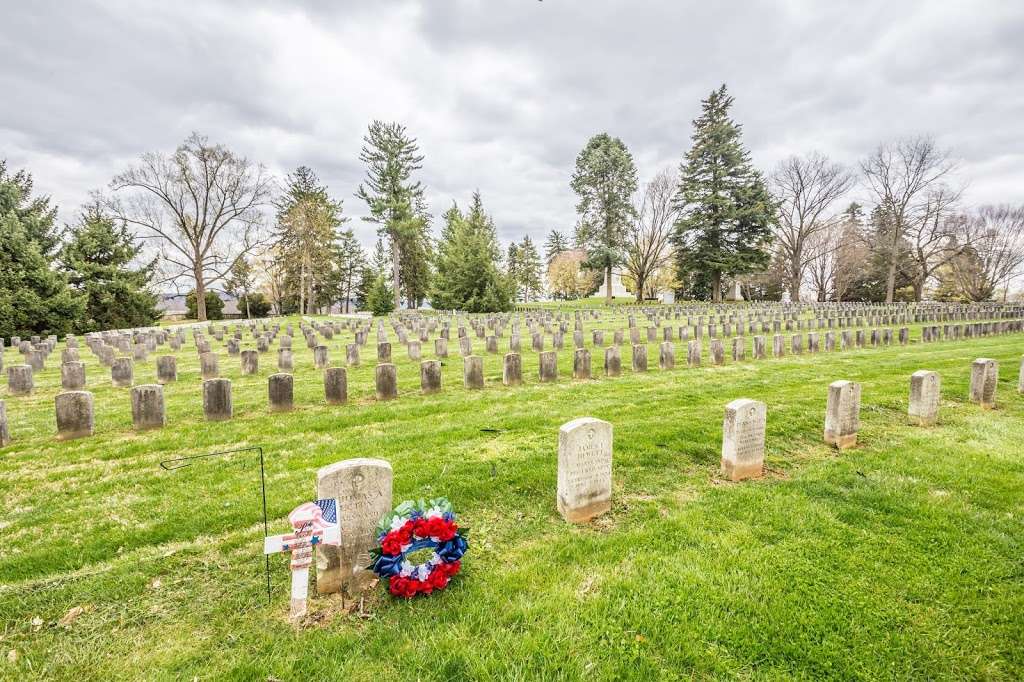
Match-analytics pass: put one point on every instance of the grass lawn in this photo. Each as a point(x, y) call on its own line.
point(901, 558)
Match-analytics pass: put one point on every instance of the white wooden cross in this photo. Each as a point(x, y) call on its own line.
point(311, 528)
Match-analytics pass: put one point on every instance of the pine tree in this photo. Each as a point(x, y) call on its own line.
point(530, 269)
point(468, 276)
point(556, 243)
point(513, 269)
point(605, 181)
point(395, 201)
point(308, 220)
point(34, 299)
point(725, 211)
point(350, 261)
point(98, 261)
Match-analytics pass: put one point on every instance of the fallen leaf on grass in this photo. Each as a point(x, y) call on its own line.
point(71, 616)
point(37, 623)
point(155, 584)
point(12, 656)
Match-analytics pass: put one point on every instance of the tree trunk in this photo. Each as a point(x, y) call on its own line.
point(302, 287)
point(608, 285)
point(395, 272)
point(919, 289)
point(200, 296)
point(794, 288)
point(640, 284)
point(890, 284)
point(716, 287)
point(248, 315)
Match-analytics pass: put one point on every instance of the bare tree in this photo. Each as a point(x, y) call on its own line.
point(995, 254)
point(838, 254)
point(902, 176)
point(805, 188)
point(937, 237)
point(201, 204)
point(647, 238)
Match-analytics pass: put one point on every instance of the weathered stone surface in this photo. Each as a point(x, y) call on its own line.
point(584, 469)
point(321, 357)
point(414, 351)
point(250, 362)
point(473, 372)
point(842, 414)
point(639, 358)
point(383, 352)
point(352, 354)
point(74, 411)
point(512, 369)
point(739, 348)
point(717, 352)
point(72, 376)
point(667, 354)
point(612, 361)
point(217, 404)
point(386, 379)
point(335, 385)
point(924, 397)
point(693, 353)
point(5, 430)
point(430, 376)
point(743, 439)
point(362, 488)
point(441, 348)
point(166, 369)
point(548, 370)
point(285, 360)
point(581, 364)
point(280, 392)
point(209, 366)
point(121, 372)
point(148, 410)
point(759, 348)
point(984, 379)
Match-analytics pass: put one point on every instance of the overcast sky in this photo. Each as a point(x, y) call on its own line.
point(502, 94)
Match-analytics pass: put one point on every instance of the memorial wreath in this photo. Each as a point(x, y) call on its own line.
point(426, 532)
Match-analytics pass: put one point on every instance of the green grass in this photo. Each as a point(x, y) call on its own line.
point(902, 558)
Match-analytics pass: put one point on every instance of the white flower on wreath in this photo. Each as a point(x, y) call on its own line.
point(397, 522)
point(434, 511)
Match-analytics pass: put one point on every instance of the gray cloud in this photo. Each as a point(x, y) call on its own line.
point(503, 94)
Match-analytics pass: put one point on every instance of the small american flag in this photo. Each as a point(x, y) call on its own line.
point(329, 509)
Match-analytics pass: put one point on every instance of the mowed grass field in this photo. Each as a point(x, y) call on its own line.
point(902, 558)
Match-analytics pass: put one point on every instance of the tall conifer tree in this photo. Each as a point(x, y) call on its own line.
point(725, 211)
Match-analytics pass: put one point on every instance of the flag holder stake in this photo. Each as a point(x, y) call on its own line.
point(182, 462)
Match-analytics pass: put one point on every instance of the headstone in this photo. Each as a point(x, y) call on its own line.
point(217, 399)
point(842, 414)
point(984, 379)
point(166, 369)
point(717, 352)
point(612, 361)
point(352, 354)
point(584, 469)
point(362, 488)
point(743, 439)
point(639, 358)
point(74, 414)
point(280, 392)
point(666, 355)
point(512, 370)
point(693, 353)
point(473, 372)
point(72, 376)
point(208, 366)
point(250, 362)
point(121, 372)
point(386, 379)
point(148, 407)
point(924, 397)
point(285, 360)
point(321, 357)
point(5, 431)
point(581, 364)
point(430, 376)
point(383, 352)
point(548, 369)
point(335, 385)
point(441, 348)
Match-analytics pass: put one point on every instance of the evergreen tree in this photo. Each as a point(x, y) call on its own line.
point(605, 181)
point(394, 199)
point(725, 211)
point(350, 261)
point(556, 243)
point(513, 269)
point(34, 299)
point(468, 276)
point(240, 282)
point(530, 270)
point(308, 220)
point(98, 261)
point(214, 305)
point(416, 255)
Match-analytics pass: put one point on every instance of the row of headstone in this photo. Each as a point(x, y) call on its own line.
point(585, 444)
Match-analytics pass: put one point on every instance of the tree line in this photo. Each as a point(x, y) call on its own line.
point(203, 217)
